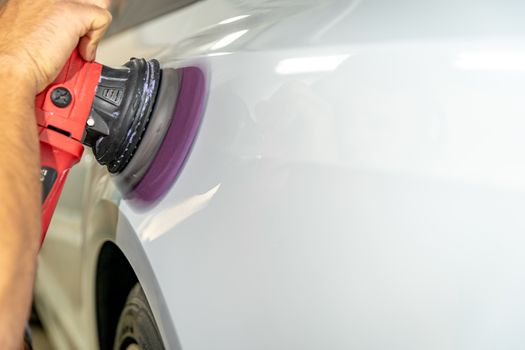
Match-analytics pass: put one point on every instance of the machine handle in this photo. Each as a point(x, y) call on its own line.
point(56, 161)
point(62, 110)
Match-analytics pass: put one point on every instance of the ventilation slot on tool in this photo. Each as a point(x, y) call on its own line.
point(60, 131)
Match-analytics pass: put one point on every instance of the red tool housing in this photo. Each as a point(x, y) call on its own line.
point(62, 111)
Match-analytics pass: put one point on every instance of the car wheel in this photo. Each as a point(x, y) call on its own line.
point(136, 328)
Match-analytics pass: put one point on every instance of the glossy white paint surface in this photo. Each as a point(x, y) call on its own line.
point(358, 180)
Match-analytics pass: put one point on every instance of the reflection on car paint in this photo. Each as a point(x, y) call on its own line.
point(160, 223)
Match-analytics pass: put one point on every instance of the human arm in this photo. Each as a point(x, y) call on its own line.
point(36, 38)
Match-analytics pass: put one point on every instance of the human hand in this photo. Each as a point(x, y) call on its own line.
point(38, 36)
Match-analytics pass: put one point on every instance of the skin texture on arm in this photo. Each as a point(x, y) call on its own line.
point(19, 223)
point(36, 39)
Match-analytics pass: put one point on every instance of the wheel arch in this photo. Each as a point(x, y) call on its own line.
point(114, 280)
point(121, 263)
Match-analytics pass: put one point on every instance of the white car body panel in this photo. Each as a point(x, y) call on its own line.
point(357, 181)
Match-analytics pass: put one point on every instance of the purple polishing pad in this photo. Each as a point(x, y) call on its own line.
point(174, 150)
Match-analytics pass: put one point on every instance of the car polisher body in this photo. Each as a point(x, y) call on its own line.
point(110, 110)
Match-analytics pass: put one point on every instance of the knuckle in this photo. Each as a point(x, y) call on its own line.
point(102, 14)
point(106, 16)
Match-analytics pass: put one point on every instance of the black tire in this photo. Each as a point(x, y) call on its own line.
point(136, 326)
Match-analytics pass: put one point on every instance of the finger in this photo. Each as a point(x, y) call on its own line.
point(93, 23)
point(88, 43)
